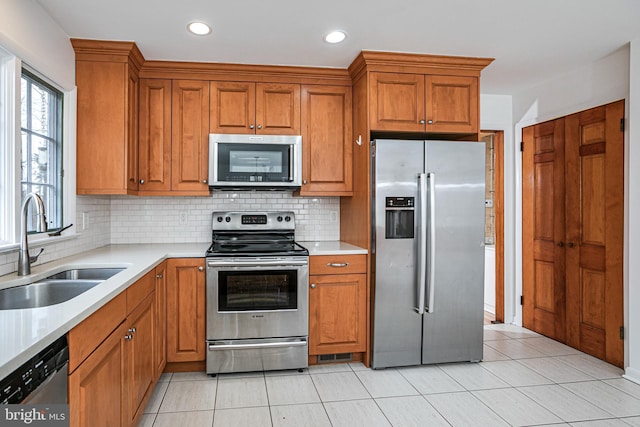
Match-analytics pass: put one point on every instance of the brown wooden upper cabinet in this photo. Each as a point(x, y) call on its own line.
point(260, 108)
point(107, 125)
point(326, 141)
point(424, 103)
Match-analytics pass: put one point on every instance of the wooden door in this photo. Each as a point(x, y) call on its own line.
point(96, 387)
point(543, 229)
point(337, 314)
point(233, 107)
point(190, 136)
point(139, 360)
point(155, 135)
point(397, 102)
point(161, 319)
point(186, 308)
point(326, 135)
point(452, 104)
point(277, 109)
point(595, 209)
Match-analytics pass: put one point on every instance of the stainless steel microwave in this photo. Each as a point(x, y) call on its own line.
point(269, 162)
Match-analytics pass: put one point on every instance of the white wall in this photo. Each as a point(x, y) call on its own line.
point(495, 114)
point(632, 218)
point(596, 84)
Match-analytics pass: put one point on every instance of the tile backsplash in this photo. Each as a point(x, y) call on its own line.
point(188, 219)
point(129, 219)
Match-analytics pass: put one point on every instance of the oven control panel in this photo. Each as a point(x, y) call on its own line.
point(231, 221)
point(254, 219)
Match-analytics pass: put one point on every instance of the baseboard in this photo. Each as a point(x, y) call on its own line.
point(632, 375)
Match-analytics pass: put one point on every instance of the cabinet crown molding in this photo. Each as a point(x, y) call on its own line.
point(108, 50)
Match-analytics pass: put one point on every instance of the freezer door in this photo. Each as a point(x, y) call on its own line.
point(453, 319)
point(397, 327)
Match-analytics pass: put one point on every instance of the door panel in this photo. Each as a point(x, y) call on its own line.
point(543, 229)
point(278, 109)
point(397, 102)
point(232, 107)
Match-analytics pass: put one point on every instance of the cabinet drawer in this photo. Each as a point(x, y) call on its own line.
point(137, 292)
point(88, 335)
point(337, 264)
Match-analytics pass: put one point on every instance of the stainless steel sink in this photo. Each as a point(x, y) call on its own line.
point(55, 289)
point(86, 274)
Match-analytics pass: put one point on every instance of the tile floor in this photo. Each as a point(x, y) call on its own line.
point(524, 380)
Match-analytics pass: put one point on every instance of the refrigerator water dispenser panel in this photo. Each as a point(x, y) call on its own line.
point(399, 223)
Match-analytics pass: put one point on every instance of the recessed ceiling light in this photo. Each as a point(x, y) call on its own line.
point(335, 37)
point(199, 28)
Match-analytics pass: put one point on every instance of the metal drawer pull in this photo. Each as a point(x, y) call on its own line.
point(334, 264)
point(257, 345)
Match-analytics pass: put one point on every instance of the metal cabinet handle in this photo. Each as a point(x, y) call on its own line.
point(313, 286)
point(201, 268)
point(259, 126)
point(204, 181)
point(142, 181)
point(570, 245)
point(422, 121)
point(128, 337)
point(158, 276)
point(429, 122)
point(132, 330)
point(304, 181)
point(335, 264)
point(251, 126)
point(560, 244)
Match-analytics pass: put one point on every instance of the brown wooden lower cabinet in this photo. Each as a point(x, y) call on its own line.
point(337, 304)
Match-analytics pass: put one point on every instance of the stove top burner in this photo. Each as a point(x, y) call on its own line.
point(254, 234)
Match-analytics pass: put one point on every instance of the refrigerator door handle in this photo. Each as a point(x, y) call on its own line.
point(422, 243)
point(431, 177)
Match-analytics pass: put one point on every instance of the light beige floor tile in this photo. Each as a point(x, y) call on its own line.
point(548, 346)
point(385, 383)
point(493, 335)
point(192, 376)
point(339, 386)
point(329, 367)
point(241, 393)
point(283, 372)
point(156, 398)
point(514, 373)
point(165, 377)
point(609, 398)
point(408, 411)
point(516, 408)
point(307, 415)
point(430, 379)
point(191, 419)
point(633, 421)
point(625, 385)
point(356, 413)
point(601, 423)
point(241, 417)
point(490, 354)
point(147, 420)
point(358, 366)
point(564, 403)
point(472, 376)
point(592, 366)
point(289, 389)
point(189, 396)
point(555, 369)
point(464, 409)
point(514, 349)
point(512, 331)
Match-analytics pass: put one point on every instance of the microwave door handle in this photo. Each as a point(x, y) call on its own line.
point(291, 163)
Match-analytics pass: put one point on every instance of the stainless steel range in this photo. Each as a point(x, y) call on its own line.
point(257, 294)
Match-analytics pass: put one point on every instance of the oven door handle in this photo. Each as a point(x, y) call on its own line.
point(257, 263)
point(213, 347)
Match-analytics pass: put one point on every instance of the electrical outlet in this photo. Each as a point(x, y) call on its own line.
point(333, 216)
point(85, 220)
point(184, 219)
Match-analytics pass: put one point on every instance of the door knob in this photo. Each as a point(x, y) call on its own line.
point(142, 181)
point(158, 276)
point(570, 244)
point(251, 126)
point(430, 122)
point(560, 244)
point(422, 121)
point(313, 286)
point(259, 126)
point(201, 268)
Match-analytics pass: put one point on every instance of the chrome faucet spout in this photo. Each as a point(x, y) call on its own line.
point(24, 260)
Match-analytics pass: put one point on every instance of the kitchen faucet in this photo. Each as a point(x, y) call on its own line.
point(24, 260)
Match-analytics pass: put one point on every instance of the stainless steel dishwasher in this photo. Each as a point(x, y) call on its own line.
point(43, 379)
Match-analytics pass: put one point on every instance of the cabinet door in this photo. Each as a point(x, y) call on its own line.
point(277, 109)
point(96, 387)
point(189, 136)
point(326, 134)
point(452, 104)
point(132, 132)
point(233, 107)
point(186, 310)
point(139, 363)
point(155, 135)
point(337, 314)
point(161, 319)
point(397, 102)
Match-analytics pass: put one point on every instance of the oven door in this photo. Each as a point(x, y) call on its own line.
point(257, 297)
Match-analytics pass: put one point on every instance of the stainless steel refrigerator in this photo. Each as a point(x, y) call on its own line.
point(428, 251)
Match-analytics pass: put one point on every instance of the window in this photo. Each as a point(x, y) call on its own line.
point(41, 158)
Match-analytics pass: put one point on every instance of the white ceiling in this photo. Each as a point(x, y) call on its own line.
point(531, 40)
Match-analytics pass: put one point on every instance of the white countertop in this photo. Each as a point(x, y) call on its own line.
point(23, 333)
point(332, 247)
